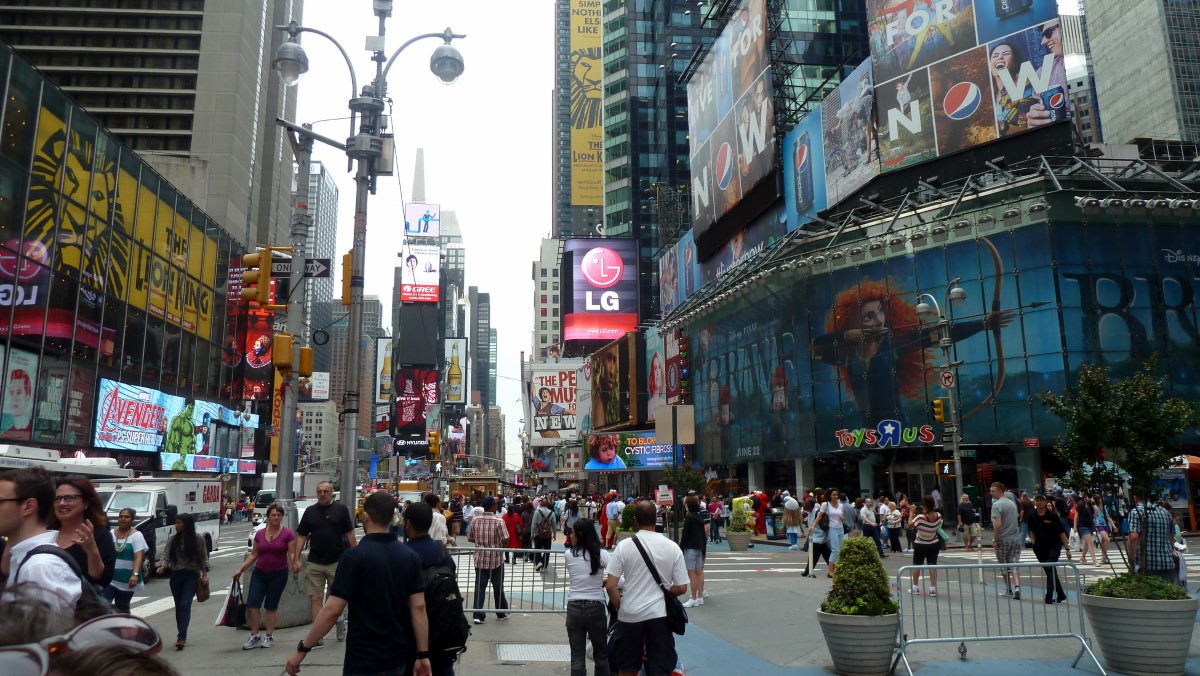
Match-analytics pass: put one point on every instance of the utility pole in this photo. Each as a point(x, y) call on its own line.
point(302, 145)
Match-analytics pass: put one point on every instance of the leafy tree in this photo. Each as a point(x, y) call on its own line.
point(684, 479)
point(1116, 429)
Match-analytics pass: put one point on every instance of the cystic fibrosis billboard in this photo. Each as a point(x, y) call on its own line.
point(731, 119)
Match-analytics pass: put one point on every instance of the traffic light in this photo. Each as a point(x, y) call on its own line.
point(306, 362)
point(281, 351)
point(256, 280)
point(347, 267)
point(939, 409)
point(435, 444)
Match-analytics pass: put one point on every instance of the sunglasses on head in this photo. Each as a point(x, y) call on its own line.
point(127, 631)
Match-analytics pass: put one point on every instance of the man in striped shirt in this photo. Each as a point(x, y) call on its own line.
point(488, 532)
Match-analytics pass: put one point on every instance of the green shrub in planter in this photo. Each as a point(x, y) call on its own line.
point(1131, 586)
point(628, 518)
point(860, 586)
point(740, 521)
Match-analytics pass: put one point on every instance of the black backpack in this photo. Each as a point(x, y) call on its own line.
point(448, 626)
point(91, 603)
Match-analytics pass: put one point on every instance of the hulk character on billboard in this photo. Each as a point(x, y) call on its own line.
point(181, 436)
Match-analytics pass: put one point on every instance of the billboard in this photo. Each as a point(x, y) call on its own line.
point(552, 396)
point(587, 100)
point(627, 451)
point(583, 397)
point(316, 387)
point(20, 384)
point(174, 462)
point(133, 417)
point(259, 369)
point(616, 395)
point(417, 342)
point(383, 366)
point(416, 392)
point(420, 278)
point(601, 302)
point(422, 220)
point(458, 377)
point(848, 135)
point(655, 368)
point(731, 118)
point(804, 171)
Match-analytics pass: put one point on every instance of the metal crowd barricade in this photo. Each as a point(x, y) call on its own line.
point(526, 589)
point(971, 605)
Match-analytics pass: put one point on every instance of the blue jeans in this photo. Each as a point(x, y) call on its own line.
point(183, 590)
point(482, 577)
point(873, 533)
point(1024, 528)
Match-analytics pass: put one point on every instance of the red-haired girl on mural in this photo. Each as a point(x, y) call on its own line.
point(878, 344)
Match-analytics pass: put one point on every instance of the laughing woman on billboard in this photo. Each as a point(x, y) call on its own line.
point(872, 335)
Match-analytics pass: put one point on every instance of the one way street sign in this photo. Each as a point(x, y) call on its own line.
point(313, 267)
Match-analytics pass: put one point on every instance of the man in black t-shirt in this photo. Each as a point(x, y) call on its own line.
point(383, 582)
point(1049, 538)
point(328, 529)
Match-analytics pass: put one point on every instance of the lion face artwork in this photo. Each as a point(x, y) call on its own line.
point(586, 93)
point(85, 212)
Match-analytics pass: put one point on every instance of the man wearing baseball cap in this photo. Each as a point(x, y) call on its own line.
point(1049, 539)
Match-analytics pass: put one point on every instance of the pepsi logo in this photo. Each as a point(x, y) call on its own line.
point(602, 267)
point(1057, 100)
point(725, 162)
point(801, 156)
point(962, 100)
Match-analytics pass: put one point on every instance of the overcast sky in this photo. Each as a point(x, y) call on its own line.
point(486, 139)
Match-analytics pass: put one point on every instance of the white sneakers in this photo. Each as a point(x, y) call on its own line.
point(692, 603)
point(268, 641)
point(251, 642)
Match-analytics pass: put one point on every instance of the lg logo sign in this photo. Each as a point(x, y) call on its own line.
point(602, 268)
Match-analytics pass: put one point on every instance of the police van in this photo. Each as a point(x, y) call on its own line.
point(158, 501)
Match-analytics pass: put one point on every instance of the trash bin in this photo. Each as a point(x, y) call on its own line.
point(776, 530)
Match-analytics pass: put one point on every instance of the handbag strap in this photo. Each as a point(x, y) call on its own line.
point(646, 558)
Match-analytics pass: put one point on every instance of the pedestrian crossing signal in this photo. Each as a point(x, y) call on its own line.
point(945, 468)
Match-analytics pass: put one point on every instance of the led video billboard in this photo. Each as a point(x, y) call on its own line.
point(422, 220)
point(617, 398)
point(416, 392)
point(627, 451)
point(731, 118)
point(458, 376)
point(601, 302)
point(420, 273)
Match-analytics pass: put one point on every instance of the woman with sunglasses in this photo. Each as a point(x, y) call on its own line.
point(273, 554)
point(83, 529)
point(131, 550)
point(187, 559)
point(36, 640)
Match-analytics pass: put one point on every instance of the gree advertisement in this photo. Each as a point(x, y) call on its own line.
point(420, 279)
point(422, 220)
point(841, 359)
point(731, 119)
point(132, 236)
point(458, 378)
point(627, 451)
point(587, 100)
point(603, 288)
point(552, 400)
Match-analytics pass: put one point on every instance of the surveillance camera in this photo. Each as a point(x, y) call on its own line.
point(446, 63)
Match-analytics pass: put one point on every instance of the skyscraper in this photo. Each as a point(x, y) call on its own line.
point(188, 86)
point(578, 152)
point(547, 304)
point(480, 346)
point(1146, 58)
point(322, 207)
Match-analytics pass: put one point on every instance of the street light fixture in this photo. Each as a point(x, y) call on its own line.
point(954, 294)
point(365, 145)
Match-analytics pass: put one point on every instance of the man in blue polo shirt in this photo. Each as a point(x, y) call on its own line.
point(384, 584)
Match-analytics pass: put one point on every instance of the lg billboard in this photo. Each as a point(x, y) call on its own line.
point(601, 302)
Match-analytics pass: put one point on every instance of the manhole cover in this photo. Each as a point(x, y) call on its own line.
point(533, 652)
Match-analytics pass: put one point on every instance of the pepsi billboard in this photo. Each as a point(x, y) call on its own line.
point(731, 120)
point(804, 171)
point(955, 74)
point(601, 298)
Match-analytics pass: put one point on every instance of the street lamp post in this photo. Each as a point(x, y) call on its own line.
point(364, 146)
point(954, 294)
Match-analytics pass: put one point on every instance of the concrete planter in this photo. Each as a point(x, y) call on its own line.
point(738, 542)
point(860, 645)
point(1141, 637)
point(624, 535)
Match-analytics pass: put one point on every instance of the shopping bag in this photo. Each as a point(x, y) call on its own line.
point(202, 590)
point(233, 611)
point(1073, 540)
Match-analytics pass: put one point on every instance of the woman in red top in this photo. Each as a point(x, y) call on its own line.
point(514, 523)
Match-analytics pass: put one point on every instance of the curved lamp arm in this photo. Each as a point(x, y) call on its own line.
point(293, 29)
point(446, 35)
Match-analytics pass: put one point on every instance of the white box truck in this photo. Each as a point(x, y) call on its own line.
point(304, 485)
point(158, 501)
